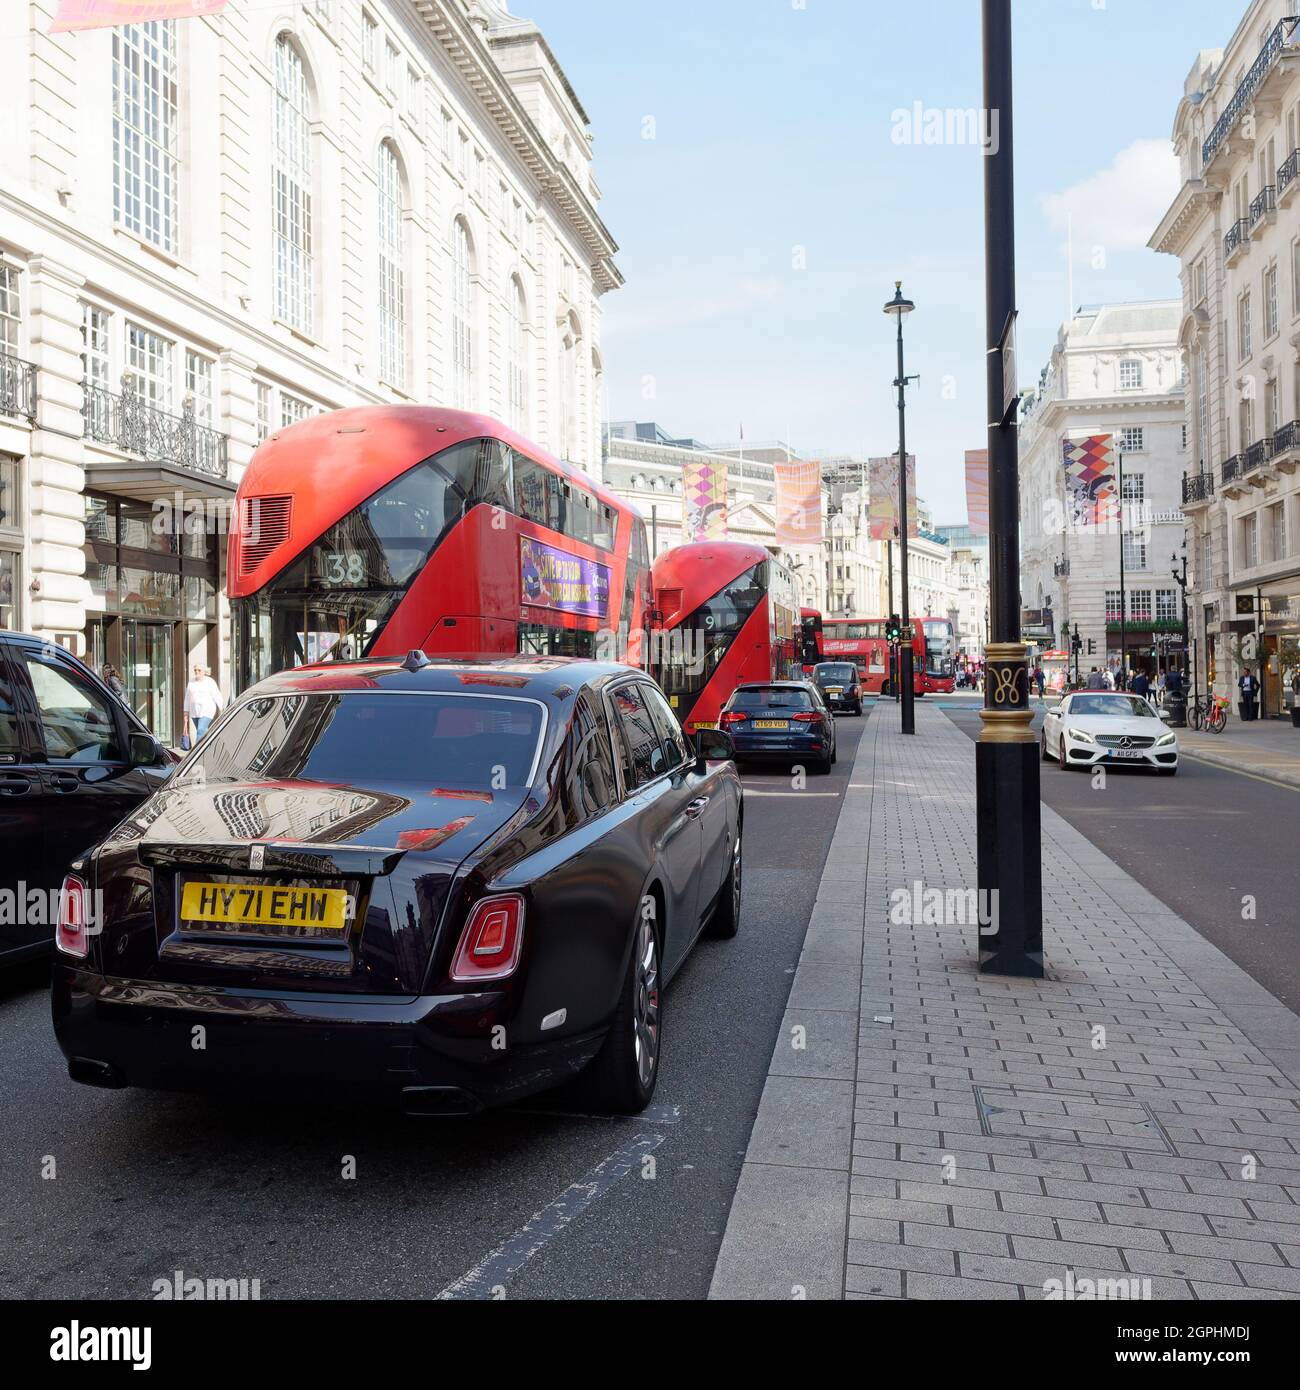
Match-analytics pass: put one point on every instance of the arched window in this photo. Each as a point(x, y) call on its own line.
point(517, 371)
point(462, 317)
point(392, 275)
point(145, 128)
point(291, 189)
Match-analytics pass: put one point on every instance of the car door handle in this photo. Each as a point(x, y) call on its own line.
point(65, 782)
point(694, 809)
point(15, 785)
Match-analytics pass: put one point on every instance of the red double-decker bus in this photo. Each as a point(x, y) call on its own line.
point(375, 530)
point(726, 612)
point(862, 640)
point(810, 621)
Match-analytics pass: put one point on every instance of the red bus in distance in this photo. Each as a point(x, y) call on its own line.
point(810, 621)
point(862, 640)
point(375, 530)
point(726, 612)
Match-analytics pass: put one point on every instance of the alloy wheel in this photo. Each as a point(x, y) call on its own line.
point(647, 1004)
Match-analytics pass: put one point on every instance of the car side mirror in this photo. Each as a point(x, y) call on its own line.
point(146, 751)
point(713, 746)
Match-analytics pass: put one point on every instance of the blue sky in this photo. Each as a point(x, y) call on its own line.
point(774, 129)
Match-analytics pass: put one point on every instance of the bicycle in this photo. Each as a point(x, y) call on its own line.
point(1217, 719)
point(1195, 712)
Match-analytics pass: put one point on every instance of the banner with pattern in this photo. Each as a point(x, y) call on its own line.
point(977, 490)
point(882, 478)
point(105, 14)
point(1091, 498)
point(799, 502)
point(704, 500)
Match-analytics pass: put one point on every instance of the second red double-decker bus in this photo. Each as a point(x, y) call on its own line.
point(726, 612)
point(862, 640)
point(375, 530)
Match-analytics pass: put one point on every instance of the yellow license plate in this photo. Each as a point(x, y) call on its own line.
point(706, 723)
point(262, 905)
point(771, 723)
point(835, 690)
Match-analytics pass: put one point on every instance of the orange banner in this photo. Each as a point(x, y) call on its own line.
point(105, 14)
point(977, 490)
point(799, 502)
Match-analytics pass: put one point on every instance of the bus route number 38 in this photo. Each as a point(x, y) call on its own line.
point(346, 568)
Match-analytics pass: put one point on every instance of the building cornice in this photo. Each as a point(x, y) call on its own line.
point(1193, 201)
point(470, 53)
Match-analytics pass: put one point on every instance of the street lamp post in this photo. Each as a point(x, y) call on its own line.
point(1008, 814)
point(1189, 653)
point(899, 307)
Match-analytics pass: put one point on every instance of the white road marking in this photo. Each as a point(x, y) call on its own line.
point(512, 1254)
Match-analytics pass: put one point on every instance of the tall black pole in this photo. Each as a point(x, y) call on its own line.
point(889, 613)
point(1006, 753)
point(1123, 596)
point(905, 681)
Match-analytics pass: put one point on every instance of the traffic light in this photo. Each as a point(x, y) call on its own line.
point(894, 628)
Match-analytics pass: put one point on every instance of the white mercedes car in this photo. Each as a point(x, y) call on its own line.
point(1090, 727)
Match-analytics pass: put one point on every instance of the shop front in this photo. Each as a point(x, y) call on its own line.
point(1279, 657)
point(152, 614)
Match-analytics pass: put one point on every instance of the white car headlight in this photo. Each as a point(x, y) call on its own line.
point(1080, 736)
point(1165, 739)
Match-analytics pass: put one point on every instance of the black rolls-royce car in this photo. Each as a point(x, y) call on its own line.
point(444, 884)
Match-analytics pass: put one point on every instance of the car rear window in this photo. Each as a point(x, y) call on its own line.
point(771, 698)
point(364, 738)
point(837, 672)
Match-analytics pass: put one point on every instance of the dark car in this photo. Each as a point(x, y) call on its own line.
point(838, 683)
point(442, 884)
point(782, 720)
point(73, 761)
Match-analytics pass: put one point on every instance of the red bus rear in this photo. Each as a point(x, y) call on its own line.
point(375, 530)
point(727, 612)
point(810, 620)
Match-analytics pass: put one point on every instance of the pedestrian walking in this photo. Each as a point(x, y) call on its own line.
point(1142, 684)
point(1095, 681)
point(203, 703)
point(1040, 680)
point(114, 681)
point(1173, 681)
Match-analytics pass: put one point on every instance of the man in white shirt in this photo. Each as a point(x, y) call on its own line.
point(203, 703)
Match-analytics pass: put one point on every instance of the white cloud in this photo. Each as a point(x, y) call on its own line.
point(1118, 207)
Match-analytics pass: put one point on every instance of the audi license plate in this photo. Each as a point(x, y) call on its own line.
point(771, 723)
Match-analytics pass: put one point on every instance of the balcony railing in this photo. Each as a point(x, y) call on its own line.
point(1264, 201)
point(1286, 437)
point(1197, 488)
point(1231, 470)
point(1259, 452)
point(17, 387)
point(1238, 235)
point(129, 423)
point(1289, 172)
point(1273, 45)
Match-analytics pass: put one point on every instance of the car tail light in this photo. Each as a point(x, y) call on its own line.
point(70, 936)
point(807, 716)
point(731, 716)
point(492, 940)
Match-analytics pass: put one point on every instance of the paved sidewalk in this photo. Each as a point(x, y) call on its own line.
point(927, 1132)
point(1266, 747)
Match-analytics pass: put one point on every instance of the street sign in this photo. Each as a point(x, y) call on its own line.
point(1010, 391)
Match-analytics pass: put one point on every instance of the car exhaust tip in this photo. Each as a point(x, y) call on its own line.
point(94, 1073)
point(439, 1101)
